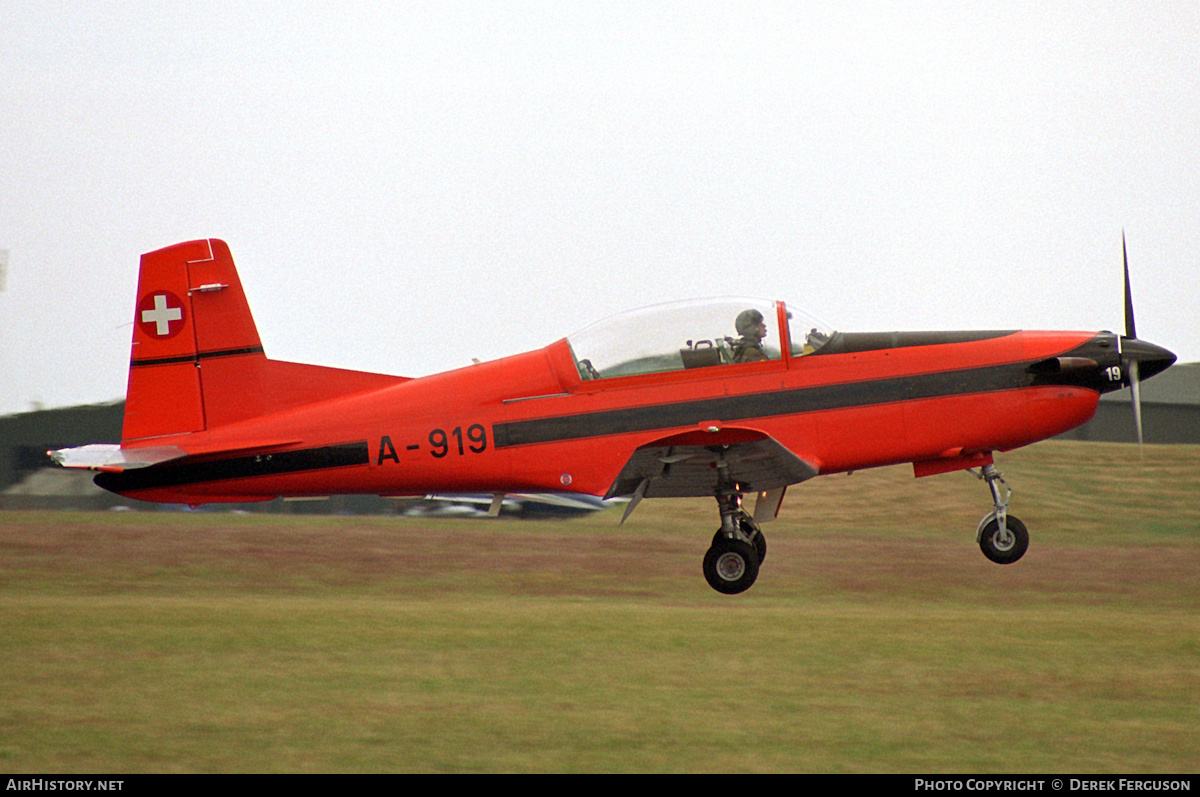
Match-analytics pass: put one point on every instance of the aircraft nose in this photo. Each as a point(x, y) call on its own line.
point(1151, 359)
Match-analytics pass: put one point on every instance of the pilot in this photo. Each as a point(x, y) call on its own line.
point(749, 348)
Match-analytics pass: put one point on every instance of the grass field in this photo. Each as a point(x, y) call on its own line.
point(877, 639)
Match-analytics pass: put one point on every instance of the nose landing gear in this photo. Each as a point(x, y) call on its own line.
point(1001, 536)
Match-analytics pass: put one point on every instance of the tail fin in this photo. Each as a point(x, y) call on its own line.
point(197, 360)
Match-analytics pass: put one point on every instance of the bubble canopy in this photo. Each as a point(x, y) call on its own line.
point(698, 333)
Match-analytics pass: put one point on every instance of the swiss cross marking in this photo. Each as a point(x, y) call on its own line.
point(160, 315)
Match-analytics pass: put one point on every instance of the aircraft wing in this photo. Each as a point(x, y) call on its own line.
point(569, 502)
point(691, 465)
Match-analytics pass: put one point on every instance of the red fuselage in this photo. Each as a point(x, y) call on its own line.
point(529, 422)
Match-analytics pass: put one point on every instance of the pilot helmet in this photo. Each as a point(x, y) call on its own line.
point(747, 323)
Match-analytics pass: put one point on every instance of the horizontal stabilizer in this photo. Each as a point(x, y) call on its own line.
point(114, 458)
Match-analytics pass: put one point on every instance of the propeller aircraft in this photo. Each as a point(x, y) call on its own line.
point(722, 398)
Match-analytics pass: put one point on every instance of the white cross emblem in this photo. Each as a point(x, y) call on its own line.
point(162, 316)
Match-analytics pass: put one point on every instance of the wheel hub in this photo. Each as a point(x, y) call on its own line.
point(1003, 540)
point(730, 566)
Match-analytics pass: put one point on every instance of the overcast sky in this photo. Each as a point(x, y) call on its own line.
point(406, 186)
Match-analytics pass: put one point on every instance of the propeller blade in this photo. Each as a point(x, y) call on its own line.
point(1131, 361)
point(1134, 383)
point(1130, 329)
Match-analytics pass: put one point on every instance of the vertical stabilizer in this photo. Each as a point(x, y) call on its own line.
point(197, 361)
point(192, 331)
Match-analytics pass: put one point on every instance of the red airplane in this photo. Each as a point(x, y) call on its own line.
point(719, 398)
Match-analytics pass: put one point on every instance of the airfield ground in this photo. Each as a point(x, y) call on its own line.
point(877, 639)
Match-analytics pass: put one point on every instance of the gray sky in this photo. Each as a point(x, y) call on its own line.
point(406, 186)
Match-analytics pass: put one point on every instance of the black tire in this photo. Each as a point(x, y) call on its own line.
point(760, 547)
point(730, 566)
point(1004, 552)
point(760, 543)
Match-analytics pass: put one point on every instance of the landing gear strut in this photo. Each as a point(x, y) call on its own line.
point(1001, 536)
point(738, 548)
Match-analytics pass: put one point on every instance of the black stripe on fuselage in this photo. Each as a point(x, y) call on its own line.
point(192, 472)
point(197, 357)
point(845, 395)
point(854, 342)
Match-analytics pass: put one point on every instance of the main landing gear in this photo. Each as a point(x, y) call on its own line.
point(1001, 536)
point(738, 548)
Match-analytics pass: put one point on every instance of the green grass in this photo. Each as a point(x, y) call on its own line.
point(877, 639)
